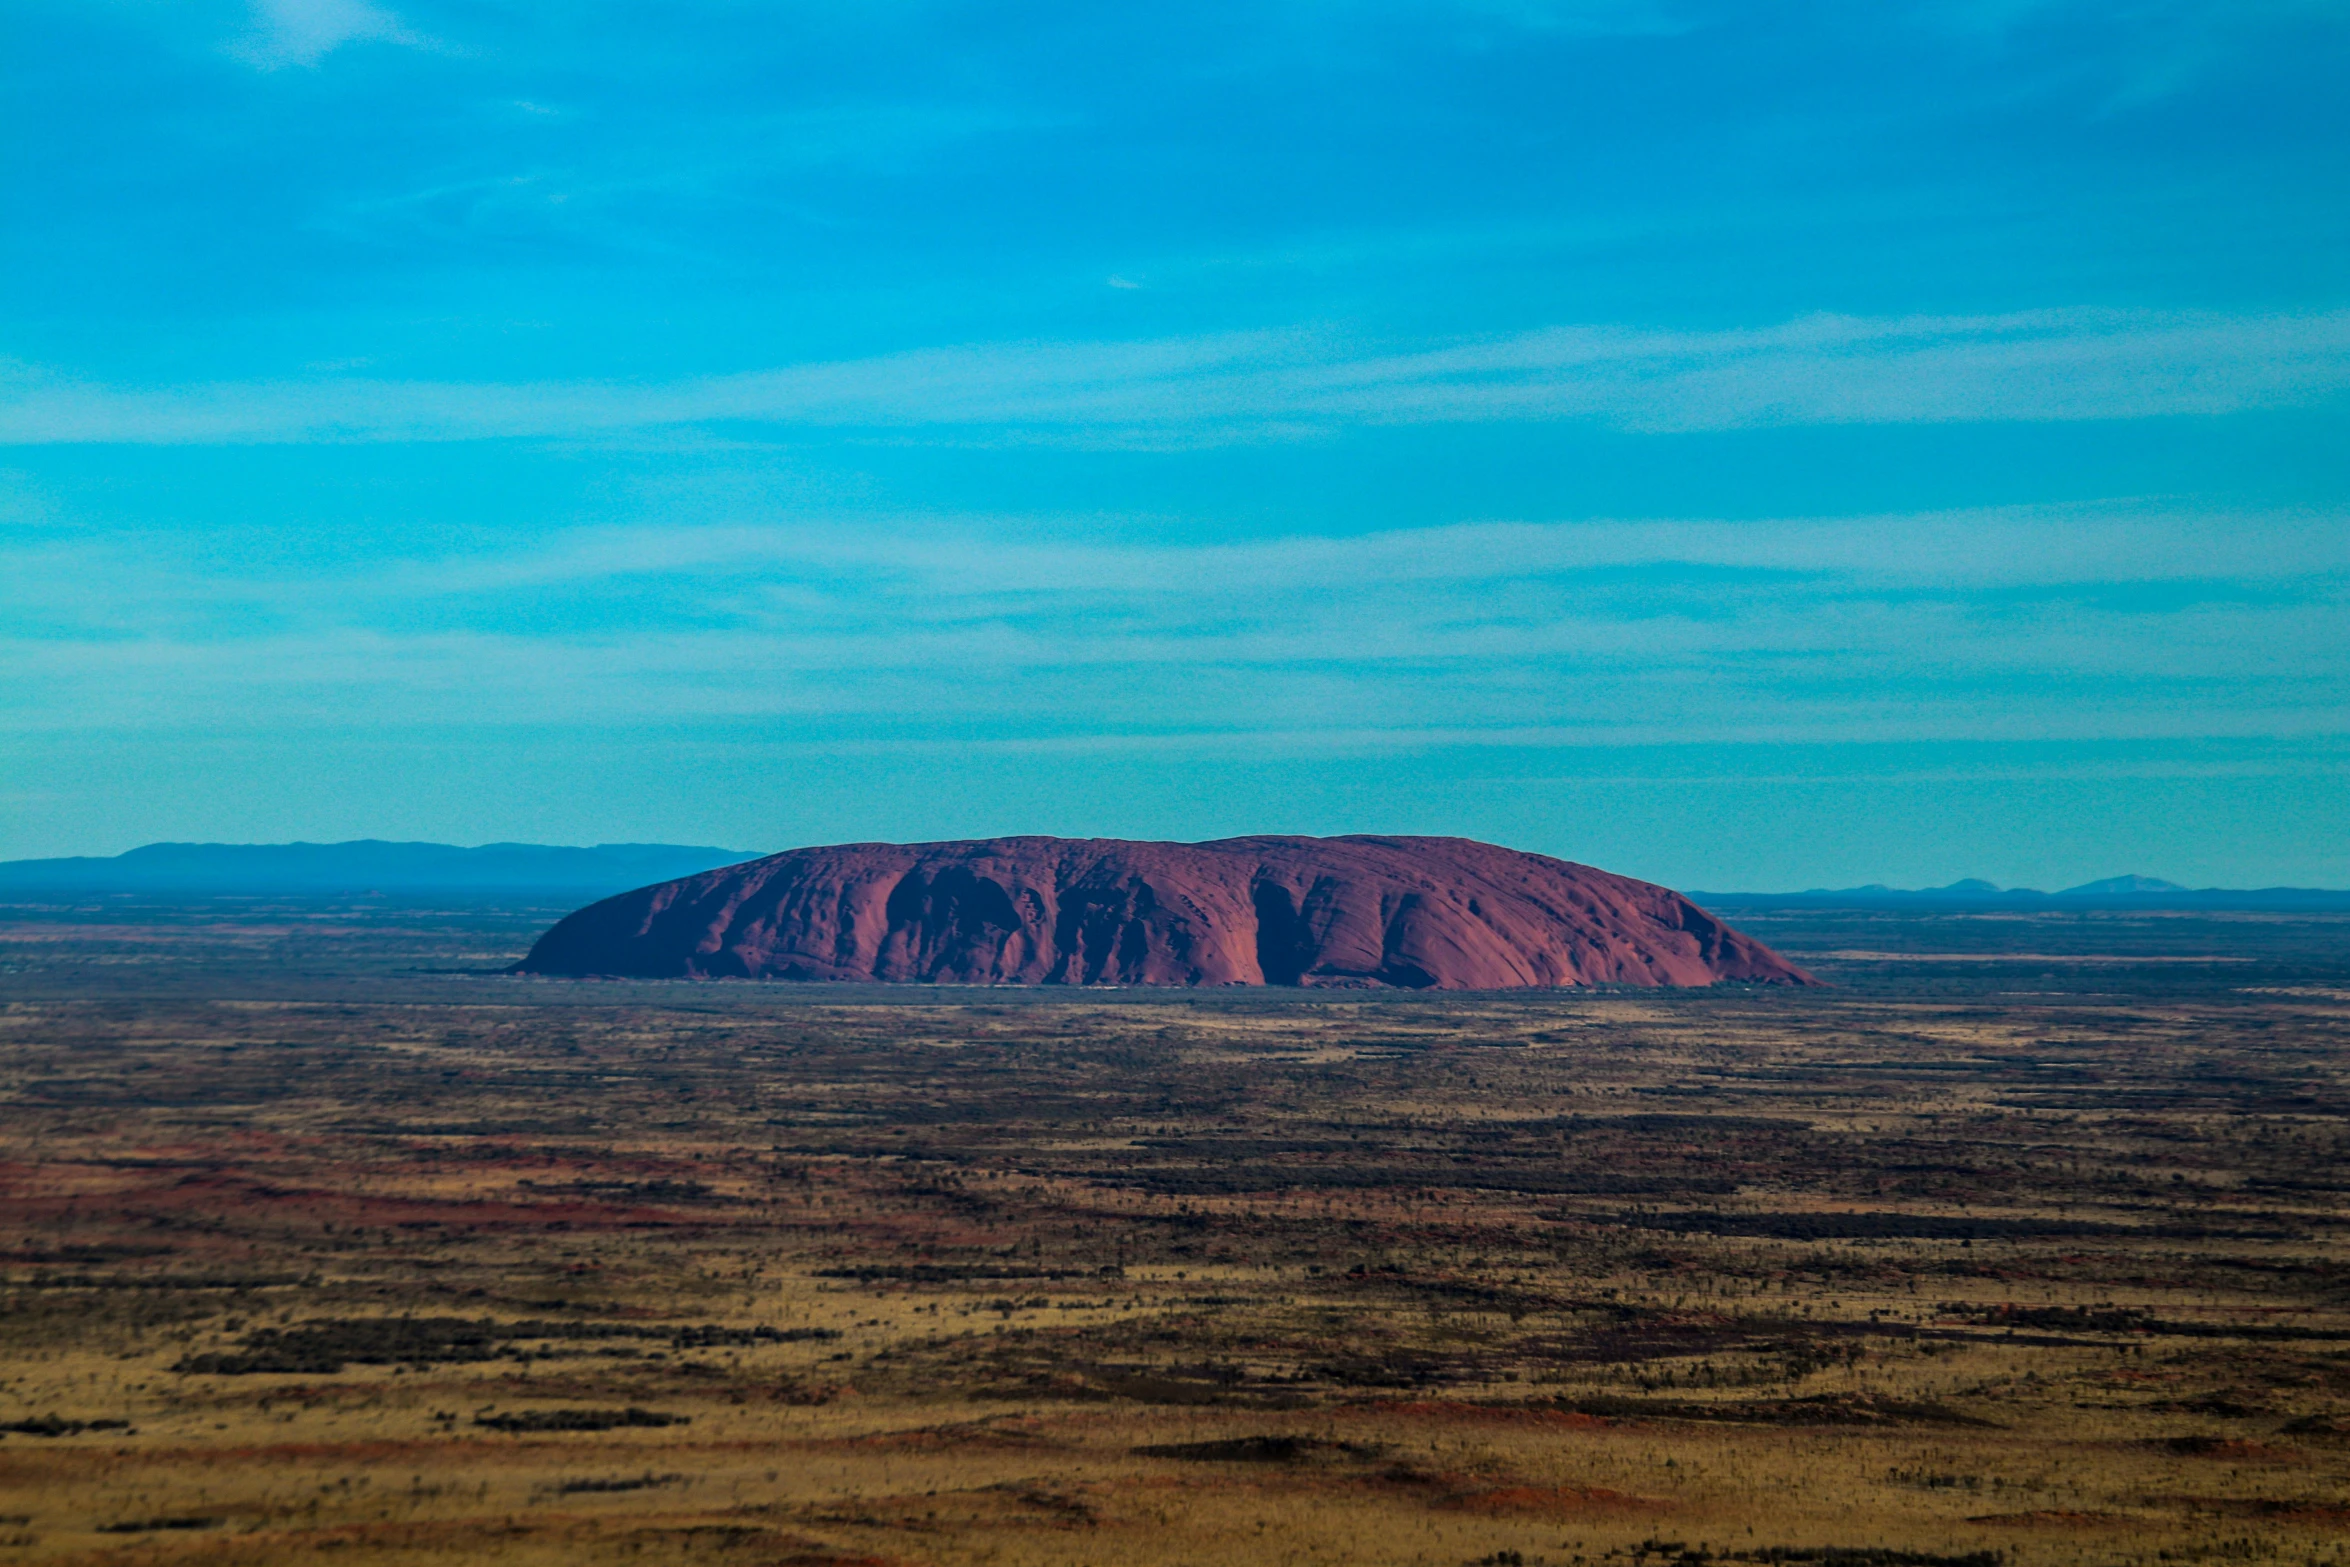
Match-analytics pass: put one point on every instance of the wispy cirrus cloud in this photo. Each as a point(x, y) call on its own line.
point(2082, 622)
point(1974, 550)
point(304, 32)
point(2041, 365)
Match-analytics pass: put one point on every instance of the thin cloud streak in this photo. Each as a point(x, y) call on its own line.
point(1985, 548)
point(1608, 631)
point(2042, 365)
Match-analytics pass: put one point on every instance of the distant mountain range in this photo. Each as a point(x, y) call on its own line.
point(2130, 892)
point(365, 866)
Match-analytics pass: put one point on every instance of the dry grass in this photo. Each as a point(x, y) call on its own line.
point(561, 1274)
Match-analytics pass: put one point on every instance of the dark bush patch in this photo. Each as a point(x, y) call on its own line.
point(324, 1347)
point(948, 1272)
point(1397, 1369)
point(1917, 1226)
point(578, 1419)
point(1457, 1171)
point(2124, 1319)
point(593, 1487)
point(52, 1425)
point(82, 1254)
point(1257, 1450)
point(713, 1337)
point(1858, 1226)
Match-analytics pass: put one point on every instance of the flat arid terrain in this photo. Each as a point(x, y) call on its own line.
point(2024, 1242)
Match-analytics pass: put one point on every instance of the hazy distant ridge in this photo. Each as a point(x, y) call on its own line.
point(368, 865)
point(2138, 892)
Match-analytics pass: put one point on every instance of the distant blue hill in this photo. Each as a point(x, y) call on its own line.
point(2114, 892)
point(367, 865)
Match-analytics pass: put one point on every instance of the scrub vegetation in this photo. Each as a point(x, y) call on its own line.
point(2023, 1245)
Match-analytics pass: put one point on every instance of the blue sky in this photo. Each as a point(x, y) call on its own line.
point(1743, 445)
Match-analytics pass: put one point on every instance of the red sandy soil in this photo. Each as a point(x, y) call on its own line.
point(1409, 913)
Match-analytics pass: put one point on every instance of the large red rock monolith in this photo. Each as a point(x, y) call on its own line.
point(1410, 913)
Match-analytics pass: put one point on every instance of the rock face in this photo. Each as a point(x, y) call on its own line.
point(1412, 913)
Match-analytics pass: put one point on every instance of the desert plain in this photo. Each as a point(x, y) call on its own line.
point(2022, 1242)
